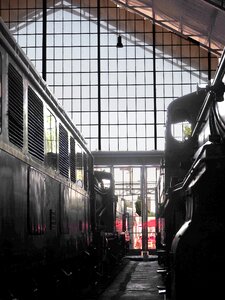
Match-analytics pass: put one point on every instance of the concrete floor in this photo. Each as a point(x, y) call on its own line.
point(138, 280)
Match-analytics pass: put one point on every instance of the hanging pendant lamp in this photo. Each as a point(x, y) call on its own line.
point(119, 42)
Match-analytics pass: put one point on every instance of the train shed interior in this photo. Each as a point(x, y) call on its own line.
point(115, 67)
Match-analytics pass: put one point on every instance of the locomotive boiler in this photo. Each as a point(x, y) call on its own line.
point(57, 219)
point(193, 208)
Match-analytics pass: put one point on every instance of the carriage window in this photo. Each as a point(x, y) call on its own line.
point(51, 142)
point(85, 171)
point(80, 170)
point(0, 92)
point(181, 131)
point(15, 107)
point(63, 152)
point(72, 160)
point(35, 125)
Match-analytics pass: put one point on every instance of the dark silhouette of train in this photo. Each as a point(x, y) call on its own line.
point(191, 222)
point(57, 215)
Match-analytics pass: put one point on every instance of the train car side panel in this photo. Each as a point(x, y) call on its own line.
point(13, 210)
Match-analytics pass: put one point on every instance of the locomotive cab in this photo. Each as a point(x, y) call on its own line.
point(180, 145)
point(104, 201)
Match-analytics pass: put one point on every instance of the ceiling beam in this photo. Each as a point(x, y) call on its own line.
point(128, 158)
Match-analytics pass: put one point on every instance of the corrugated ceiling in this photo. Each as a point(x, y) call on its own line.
point(196, 19)
point(200, 20)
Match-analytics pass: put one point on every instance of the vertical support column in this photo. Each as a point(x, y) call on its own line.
point(99, 72)
point(44, 40)
point(144, 213)
point(154, 83)
point(114, 198)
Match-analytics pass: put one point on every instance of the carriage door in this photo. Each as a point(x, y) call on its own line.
point(36, 202)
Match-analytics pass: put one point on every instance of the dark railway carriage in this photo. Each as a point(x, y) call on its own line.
point(194, 205)
point(45, 170)
point(48, 232)
point(111, 242)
